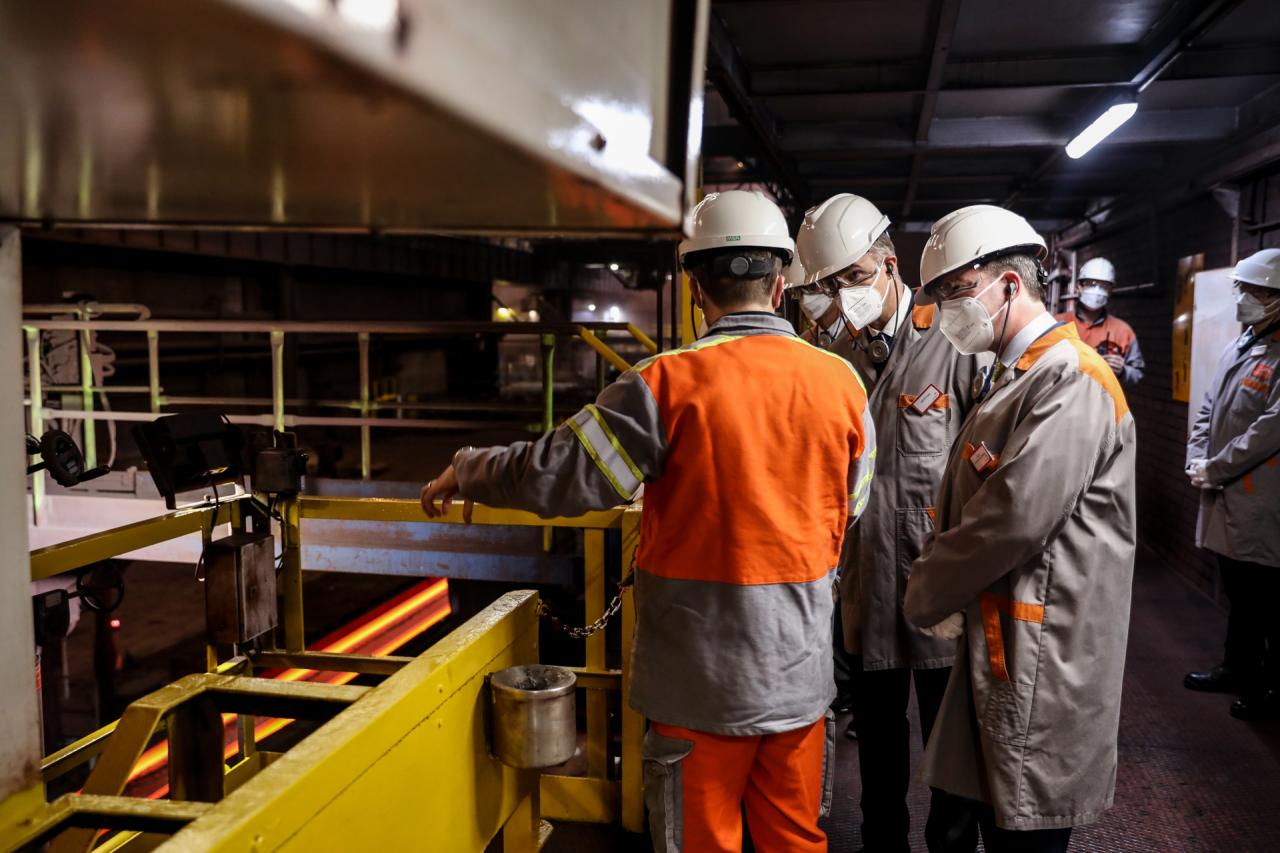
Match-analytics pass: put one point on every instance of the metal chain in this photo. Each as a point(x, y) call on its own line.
point(585, 631)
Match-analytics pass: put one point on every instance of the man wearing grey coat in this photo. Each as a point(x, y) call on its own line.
point(1233, 456)
point(1032, 562)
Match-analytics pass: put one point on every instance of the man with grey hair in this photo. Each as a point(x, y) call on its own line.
point(1032, 561)
point(921, 389)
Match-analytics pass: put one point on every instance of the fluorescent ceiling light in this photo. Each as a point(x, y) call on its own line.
point(1102, 127)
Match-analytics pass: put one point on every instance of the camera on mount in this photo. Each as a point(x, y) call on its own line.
point(189, 451)
point(60, 456)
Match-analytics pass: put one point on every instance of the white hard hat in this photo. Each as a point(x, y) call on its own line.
point(793, 275)
point(1260, 268)
point(837, 233)
point(974, 235)
point(738, 219)
point(1097, 269)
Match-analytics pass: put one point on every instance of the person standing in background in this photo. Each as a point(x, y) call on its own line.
point(1233, 457)
point(1113, 338)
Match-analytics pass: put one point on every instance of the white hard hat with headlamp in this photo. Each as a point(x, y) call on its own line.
point(972, 236)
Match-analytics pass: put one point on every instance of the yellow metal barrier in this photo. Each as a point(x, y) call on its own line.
point(341, 774)
point(65, 556)
point(405, 768)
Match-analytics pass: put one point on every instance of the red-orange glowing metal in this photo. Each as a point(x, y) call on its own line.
point(379, 632)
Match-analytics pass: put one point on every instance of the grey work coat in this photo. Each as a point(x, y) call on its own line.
point(1036, 547)
point(698, 660)
point(1238, 431)
point(911, 453)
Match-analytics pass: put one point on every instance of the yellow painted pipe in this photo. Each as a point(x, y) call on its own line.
point(645, 340)
point(604, 349)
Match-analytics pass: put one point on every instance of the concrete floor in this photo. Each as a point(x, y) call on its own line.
point(1191, 778)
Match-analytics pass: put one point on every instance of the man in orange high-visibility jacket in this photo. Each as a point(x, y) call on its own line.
point(755, 450)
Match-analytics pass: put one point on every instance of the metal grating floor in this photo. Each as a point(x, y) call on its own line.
point(1191, 777)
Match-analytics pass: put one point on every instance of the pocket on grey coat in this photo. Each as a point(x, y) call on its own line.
point(1008, 713)
point(663, 789)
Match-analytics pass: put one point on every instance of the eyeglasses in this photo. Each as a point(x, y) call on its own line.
point(848, 277)
point(801, 290)
point(1246, 287)
point(950, 290)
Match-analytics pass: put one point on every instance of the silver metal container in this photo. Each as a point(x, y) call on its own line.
point(534, 720)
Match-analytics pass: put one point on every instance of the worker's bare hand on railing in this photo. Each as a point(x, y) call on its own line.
point(444, 489)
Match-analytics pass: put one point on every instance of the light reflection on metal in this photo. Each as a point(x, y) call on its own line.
point(277, 193)
point(378, 633)
point(84, 184)
point(153, 190)
point(380, 16)
point(32, 165)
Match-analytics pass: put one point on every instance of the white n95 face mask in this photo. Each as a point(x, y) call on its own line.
point(1094, 297)
point(1250, 310)
point(814, 305)
point(861, 305)
point(966, 323)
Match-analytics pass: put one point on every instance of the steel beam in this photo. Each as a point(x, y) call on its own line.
point(1058, 71)
point(20, 739)
point(403, 509)
point(947, 15)
point(729, 74)
point(65, 556)
point(1185, 23)
point(92, 812)
point(1006, 132)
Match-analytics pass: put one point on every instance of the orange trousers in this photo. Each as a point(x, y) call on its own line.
point(778, 779)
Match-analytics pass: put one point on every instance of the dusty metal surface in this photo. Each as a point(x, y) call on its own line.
point(489, 117)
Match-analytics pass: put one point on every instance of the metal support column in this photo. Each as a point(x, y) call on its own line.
point(19, 705)
point(597, 700)
point(600, 372)
point(35, 423)
point(153, 369)
point(366, 450)
point(88, 435)
point(548, 382)
point(548, 405)
point(689, 313)
point(633, 724)
point(277, 380)
point(195, 751)
point(290, 580)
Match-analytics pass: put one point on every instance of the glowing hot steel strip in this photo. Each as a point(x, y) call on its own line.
point(345, 640)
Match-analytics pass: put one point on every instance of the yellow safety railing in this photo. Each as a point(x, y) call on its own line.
point(386, 720)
